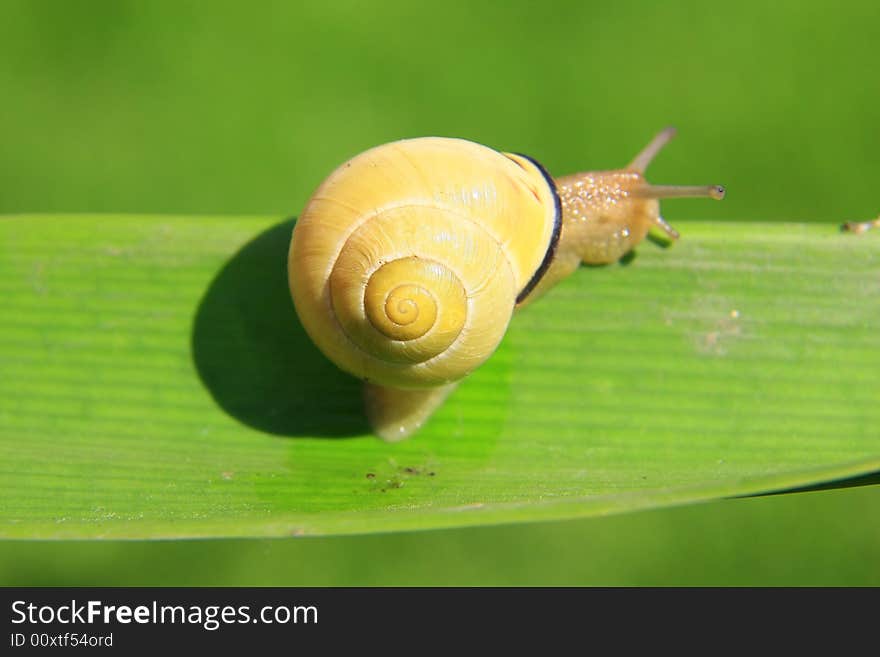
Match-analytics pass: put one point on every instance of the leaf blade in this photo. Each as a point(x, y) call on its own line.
point(156, 384)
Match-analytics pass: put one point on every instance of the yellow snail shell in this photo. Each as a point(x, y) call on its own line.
point(407, 261)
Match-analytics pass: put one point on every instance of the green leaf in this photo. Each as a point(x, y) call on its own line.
point(155, 383)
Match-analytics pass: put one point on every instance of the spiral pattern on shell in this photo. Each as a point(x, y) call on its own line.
point(404, 299)
point(402, 296)
point(406, 264)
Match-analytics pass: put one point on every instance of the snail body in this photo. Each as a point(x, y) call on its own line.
point(408, 261)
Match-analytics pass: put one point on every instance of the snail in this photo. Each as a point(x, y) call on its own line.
point(860, 227)
point(408, 261)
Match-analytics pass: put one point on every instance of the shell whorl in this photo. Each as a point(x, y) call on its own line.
point(408, 310)
point(423, 293)
point(406, 263)
point(418, 305)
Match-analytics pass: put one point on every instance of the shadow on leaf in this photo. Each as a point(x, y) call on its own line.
point(256, 359)
point(869, 479)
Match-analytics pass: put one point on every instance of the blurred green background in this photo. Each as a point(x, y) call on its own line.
point(205, 107)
